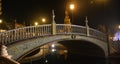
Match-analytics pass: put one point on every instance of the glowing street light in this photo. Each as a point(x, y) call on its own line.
point(72, 6)
point(36, 23)
point(0, 20)
point(43, 20)
point(119, 27)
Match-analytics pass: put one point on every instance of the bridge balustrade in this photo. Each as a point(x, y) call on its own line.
point(14, 35)
point(97, 34)
point(70, 29)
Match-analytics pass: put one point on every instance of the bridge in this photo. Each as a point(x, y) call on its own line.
point(22, 41)
point(16, 44)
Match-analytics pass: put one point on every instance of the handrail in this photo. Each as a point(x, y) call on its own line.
point(14, 35)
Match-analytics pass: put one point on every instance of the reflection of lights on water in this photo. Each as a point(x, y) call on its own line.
point(117, 36)
point(65, 51)
point(53, 50)
point(53, 45)
point(46, 61)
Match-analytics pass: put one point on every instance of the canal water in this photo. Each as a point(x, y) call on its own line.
point(55, 59)
point(85, 53)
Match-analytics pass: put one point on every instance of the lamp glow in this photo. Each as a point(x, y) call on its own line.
point(72, 6)
point(53, 45)
point(0, 20)
point(53, 50)
point(43, 20)
point(36, 23)
point(119, 27)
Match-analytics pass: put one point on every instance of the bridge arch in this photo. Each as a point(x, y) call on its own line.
point(81, 48)
point(19, 49)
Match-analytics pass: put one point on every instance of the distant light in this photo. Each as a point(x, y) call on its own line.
point(91, 2)
point(46, 61)
point(53, 50)
point(53, 45)
point(43, 20)
point(2, 30)
point(72, 6)
point(117, 36)
point(36, 23)
point(119, 26)
point(0, 20)
point(65, 51)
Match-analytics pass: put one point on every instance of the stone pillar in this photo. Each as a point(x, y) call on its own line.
point(53, 25)
point(87, 27)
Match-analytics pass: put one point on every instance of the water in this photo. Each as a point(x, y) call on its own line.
point(85, 61)
point(55, 59)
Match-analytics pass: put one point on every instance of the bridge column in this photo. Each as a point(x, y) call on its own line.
point(53, 24)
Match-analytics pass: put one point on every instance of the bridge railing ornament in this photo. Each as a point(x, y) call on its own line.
point(19, 34)
point(70, 29)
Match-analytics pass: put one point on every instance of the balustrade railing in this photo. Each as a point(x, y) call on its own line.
point(14, 35)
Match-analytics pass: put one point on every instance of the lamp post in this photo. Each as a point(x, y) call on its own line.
point(72, 6)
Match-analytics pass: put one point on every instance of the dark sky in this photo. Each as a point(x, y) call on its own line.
point(30, 10)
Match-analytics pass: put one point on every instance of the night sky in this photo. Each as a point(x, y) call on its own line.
point(29, 11)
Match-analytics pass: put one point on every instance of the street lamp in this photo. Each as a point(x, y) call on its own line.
point(43, 20)
point(119, 27)
point(72, 6)
point(0, 20)
point(36, 23)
